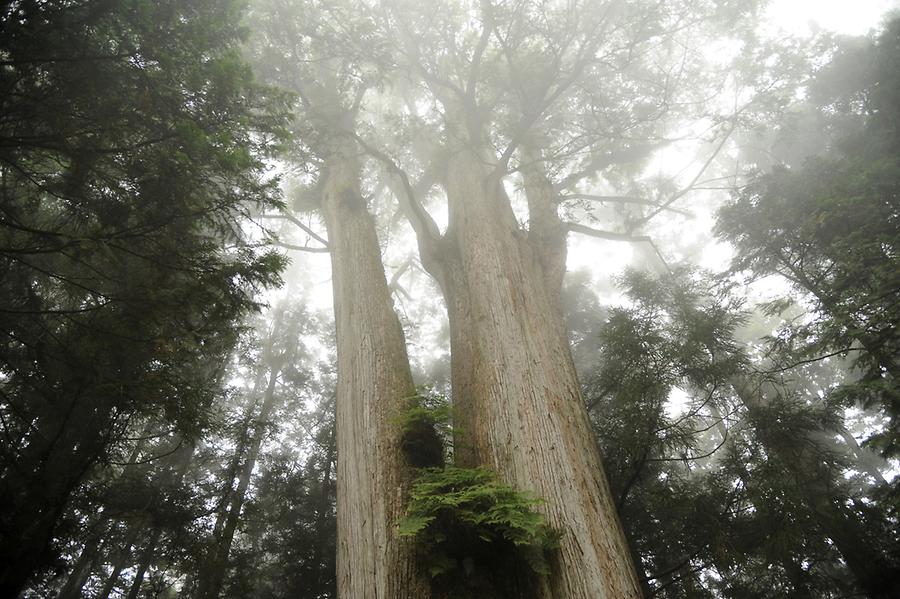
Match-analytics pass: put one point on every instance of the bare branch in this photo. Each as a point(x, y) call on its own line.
point(690, 186)
point(529, 118)
point(599, 163)
point(395, 285)
point(622, 200)
point(423, 224)
point(293, 219)
point(301, 248)
point(611, 236)
point(479, 50)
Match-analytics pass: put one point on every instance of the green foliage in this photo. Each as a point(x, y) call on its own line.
point(134, 140)
point(425, 429)
point(477, 534)
point(830, 225)
point(746, 476)
point(426, 406)
point(468, 523)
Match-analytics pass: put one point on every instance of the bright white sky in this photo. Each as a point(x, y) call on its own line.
point(782, 17)
point(851, 17)
point(794, 17)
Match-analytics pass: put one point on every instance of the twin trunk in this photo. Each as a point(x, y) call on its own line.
point(517, 401)
point(516, 396)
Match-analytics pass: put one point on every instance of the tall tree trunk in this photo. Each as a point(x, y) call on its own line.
point(123, 556)
point(179, 462)
point(113, 579)
point(322, 516)
point(517, 399)
point(144, 562)
point(211, 584)
point(231, 476)
point(373, 383)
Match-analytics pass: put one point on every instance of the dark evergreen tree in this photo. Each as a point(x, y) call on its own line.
point(132, 135)
point(753, 449)
point(831, 225)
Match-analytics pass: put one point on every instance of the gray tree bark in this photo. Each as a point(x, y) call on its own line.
point(516, 397)
point(374, 385)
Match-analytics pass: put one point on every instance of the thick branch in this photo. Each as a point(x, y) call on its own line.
point(690, 186)
point(301, 248)
point(598, 163)
point(427, 233)
point(478, 54)
point(394, 284)
point(529, 118)
point(611, 236)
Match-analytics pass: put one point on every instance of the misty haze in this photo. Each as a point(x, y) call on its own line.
point(449, 299)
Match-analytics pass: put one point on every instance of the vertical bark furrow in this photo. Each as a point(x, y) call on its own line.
point(525, 416)
point(374, 378)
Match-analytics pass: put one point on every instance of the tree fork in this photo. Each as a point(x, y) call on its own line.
point(523, 414)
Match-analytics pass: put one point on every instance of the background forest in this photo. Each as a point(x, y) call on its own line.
point(710, 205)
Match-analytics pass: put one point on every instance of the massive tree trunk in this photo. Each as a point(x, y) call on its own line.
point(516, 397)
point(374, 384)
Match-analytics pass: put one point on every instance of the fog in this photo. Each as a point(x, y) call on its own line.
point(397, 299)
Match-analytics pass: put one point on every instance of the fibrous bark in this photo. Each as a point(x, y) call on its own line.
point(516, 397)
point(374, 385)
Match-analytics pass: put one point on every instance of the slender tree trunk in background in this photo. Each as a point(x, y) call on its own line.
point(81, 570)
point(144, 562)
point(322, 513)
point(231, 476)
point(35, 491)
point(518, 401)
point(211, 584)
point(132, 532)
point(178, 462)
point(872, 571)
point(867, 460)
point(373, 380)
point(211, 571)
point(113, 579)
